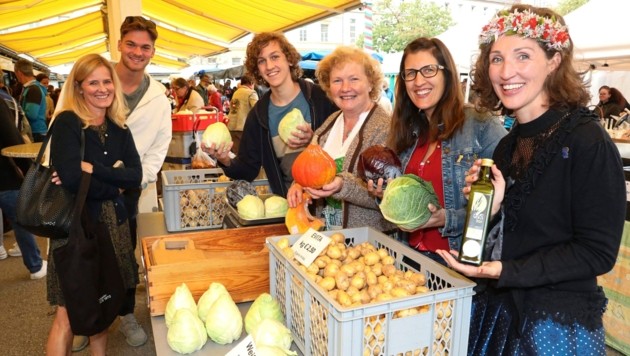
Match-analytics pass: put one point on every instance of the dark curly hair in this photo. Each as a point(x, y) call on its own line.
point(261, 41)
point(564, 86)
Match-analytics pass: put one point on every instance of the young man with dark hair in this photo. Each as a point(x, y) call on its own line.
point(33, 99)
point(149, 120)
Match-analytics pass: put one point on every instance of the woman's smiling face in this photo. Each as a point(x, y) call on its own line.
point(425, 93)
point(98, 90)
point(518, 70)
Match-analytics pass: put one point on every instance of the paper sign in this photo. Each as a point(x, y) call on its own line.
point(244, 348)
point(309, 245)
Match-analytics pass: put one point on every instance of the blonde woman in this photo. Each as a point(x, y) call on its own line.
point(93, 102)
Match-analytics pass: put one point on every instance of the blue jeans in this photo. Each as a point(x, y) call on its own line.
point(30, 251)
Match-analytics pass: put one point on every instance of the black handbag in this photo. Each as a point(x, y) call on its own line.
point(88, 271)
point(43, 207)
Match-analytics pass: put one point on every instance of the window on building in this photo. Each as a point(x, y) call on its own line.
point(303, 37)
point(353, 30)
point(324, 32)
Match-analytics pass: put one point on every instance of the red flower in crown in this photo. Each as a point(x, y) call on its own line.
point(501, 24)
point(562, 37)
point(532, 23)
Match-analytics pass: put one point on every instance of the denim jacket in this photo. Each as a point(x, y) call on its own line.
point(476, 139)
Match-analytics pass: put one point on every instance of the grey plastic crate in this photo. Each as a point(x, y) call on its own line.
point(321, 326)
point(195, 199)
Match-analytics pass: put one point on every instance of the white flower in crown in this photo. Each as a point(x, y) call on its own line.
point(526, 24)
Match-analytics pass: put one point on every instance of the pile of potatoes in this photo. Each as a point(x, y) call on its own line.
point(362, 274)
point(358, 275)
point(199, 209)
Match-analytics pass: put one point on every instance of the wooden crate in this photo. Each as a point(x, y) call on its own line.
point(237, 258)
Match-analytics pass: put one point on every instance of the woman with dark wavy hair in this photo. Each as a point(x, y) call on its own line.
point(559, 204)
point(437, 139)
point(273, 61)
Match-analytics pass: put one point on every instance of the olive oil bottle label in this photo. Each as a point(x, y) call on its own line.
point(472, 247)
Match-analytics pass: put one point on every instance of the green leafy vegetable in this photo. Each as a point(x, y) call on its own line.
point(276, 206)
point(209, 297)
point(181, 299)
point(224, 322)
point(271, 332)
point(216, 134)
point(405, 201)
point(264, 307)
point(251, 207)
point(187, 333)
point(289, 124)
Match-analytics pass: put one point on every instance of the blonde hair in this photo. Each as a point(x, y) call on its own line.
point(74, 101)
point(346, 54)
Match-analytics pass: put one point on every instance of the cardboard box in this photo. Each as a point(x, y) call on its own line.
point(237, 258)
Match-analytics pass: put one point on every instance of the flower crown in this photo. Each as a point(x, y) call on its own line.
point(526, 24)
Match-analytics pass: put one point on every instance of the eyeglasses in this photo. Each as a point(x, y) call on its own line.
point(428, 71)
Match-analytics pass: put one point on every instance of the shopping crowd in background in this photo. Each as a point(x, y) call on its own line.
point(558, 210)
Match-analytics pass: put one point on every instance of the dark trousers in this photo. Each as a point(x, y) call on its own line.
point(39, 137)
point(131, 198)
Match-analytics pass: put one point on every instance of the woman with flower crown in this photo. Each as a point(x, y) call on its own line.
point(559, 204)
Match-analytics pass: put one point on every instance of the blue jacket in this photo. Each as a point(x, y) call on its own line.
point(33, 102)
point(476, 139)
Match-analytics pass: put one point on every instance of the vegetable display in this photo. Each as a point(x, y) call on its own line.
point(251, 207)
point(276, 206)
point(405, 201)
point(239, 189)
point(224, 322)
point(187, 333)
point(378, 162)
point(299, 219)
point(264, 307)
point(217, 134)
point(313, 167)
point(289, 124)
point(181, 299)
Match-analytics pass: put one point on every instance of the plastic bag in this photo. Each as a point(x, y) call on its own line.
point(202, 160)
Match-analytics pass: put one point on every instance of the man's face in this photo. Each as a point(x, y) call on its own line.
point(136, 50)
point(45, 82)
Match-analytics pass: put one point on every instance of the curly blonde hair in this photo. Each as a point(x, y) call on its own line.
point(346, 54)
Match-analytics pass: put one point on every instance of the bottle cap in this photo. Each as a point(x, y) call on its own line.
point(487, 162)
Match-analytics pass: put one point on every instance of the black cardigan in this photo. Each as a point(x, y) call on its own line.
point(106, 180)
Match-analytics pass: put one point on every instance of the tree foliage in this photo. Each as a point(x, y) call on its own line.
point(397, 23)
point(566, 6)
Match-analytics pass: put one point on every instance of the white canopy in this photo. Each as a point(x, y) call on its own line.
point(599, 30)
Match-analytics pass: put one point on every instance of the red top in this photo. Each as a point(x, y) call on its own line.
point(429, 239)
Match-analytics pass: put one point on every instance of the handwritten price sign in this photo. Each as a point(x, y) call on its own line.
point(309, 245)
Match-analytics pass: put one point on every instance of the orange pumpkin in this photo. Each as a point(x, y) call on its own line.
point(299, 219)
point(313, 168)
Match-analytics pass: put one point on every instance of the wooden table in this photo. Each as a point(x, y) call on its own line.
point(26, 150)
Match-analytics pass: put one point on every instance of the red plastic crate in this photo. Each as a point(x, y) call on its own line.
point(186, 122)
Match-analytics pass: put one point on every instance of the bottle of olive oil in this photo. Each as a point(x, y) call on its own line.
point(478, 215)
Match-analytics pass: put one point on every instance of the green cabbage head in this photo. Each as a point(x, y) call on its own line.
point(224, 322)
point(181, 299)
point(264, 307)
point(405, 201)
point(216, 134)
point(187, 333)
point(276, 206)
point(209, 297)
point(289, 124)
point(271, 332)
point(251, 207)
